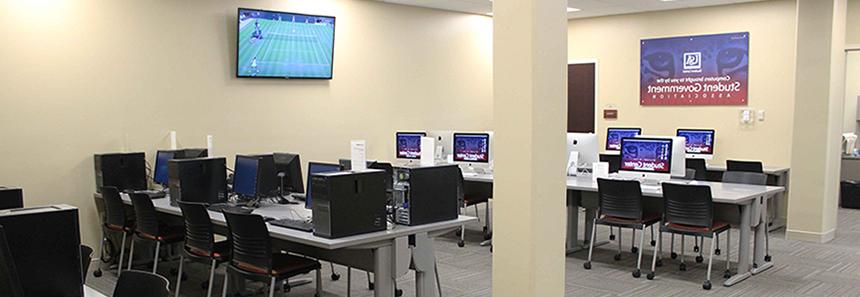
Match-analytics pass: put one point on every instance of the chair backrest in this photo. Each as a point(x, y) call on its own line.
point(198, 227)
point(114, 208)
point(746, 166)
point(620, 198)
point(86, 254)
point(461, 186)
point(700, 167)
point(10, 283)
point(690, 205)
point(613, 160)
point(133, 283)
point(690, 174)
point(741, 177)
point(145, 214)
point(252, 248)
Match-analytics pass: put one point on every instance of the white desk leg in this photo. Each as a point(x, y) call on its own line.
point(759, 265)
point(744, 247)
point(424, 262)
point(383, 280)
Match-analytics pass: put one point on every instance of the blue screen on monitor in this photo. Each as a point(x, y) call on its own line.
point(245, 176)
point(160, 174)
point(698, 141)
point(314, 168)
point(646, 155)
point(472, 147)
point(615, 135)
point(284, 45)
point(409, 145)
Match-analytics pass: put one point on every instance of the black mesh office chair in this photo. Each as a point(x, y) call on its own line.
point(621, 206)
point(116, 220)
point(613, 160)
point(751, 178)
point(148, 227)
point(745, 166)
point(200, 245)
point(689, 210)
point(133, 283)
point(86, 258)
point(472, 194)
point(699, 166)
point(10, 283)
point(252, 257)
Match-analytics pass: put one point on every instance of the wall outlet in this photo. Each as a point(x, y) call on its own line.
point(760, 115)
point(746, 116)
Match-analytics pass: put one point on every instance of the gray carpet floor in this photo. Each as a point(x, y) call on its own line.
point(801, 269)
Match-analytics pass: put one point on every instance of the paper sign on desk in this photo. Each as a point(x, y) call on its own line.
point(428, 154)
point(599, 170)
point(358, 155)
point(572, 160)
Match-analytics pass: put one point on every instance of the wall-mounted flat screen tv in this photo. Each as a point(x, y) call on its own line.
point(276, 44)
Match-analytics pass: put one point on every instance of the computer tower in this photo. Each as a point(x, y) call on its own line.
point(125, 171)
point(11, 198)
point(348, 203)
point(45, 244)
point(426, 194)
point(197, 180)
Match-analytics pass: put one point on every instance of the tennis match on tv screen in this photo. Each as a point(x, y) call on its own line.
point(284, 45)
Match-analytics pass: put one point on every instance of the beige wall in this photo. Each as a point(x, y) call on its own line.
point(97, 76)
point(614, 42)
point(852, 34)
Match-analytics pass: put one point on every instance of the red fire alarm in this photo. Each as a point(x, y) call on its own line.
point(610, 114)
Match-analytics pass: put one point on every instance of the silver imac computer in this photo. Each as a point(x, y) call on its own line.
point(646, 158)
point(614, 136)
point(472, 150)
point(699, 143)
point(585, 146)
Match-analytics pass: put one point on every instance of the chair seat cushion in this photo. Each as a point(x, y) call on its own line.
point(129, 227)
point(718, 226)
point(220, 251)
point(283, 265)
point(472, 200)
point(647, 219)
point(168, 234)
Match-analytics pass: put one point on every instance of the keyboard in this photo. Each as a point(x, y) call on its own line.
point(220, 207)
point(301, 225)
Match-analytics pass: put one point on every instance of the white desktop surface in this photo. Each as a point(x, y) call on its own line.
point(90, 292)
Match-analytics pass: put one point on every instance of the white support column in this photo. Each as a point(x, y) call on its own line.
point(530, 116)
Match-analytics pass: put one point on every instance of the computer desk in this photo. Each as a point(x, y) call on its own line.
point(776, 176)
point(90, 292)
point(751, 198)
point(388, 254)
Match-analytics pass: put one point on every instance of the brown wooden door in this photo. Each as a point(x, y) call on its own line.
point(580, 97)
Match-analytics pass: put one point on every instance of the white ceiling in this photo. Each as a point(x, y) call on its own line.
point(588, 8)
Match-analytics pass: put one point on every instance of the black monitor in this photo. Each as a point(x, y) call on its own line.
point(11, 198)
point(314, 168)
point(246, 176)
point(288, 168)
point(10, 284)
point(159, 175)
point(46, 245)
point(198, 180)
point(125, 171)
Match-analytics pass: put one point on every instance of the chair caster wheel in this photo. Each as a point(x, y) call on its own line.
point(634, 250)
point(488, 236)
point(461, 244)
point(617, 257)
point(335, 276)
point(637, 273)
point(370, 286)
point(659, 263)
point(696, 249)
point(682, 267)
point(612, 237)
point(727, 274)
point(650, 275)
point(653, 243)
point(755, 265)
point(586, 265)
point(706, 285)
point(767, 258)
point(699, 259)
point(674, 255)
point(398, 292)
point(97, 273)
point(717, 252)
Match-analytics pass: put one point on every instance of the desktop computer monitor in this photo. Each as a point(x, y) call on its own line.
point(162, 157)
point(649, 158)
point(615, 135)
point(585, 144)
point(444, 143)
point(699, 143)
point(125, 171)
point(471, 147)
point(314, 168)
point(288, 169)
point(197, 180)
point(246, 176)
point(409, 145)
